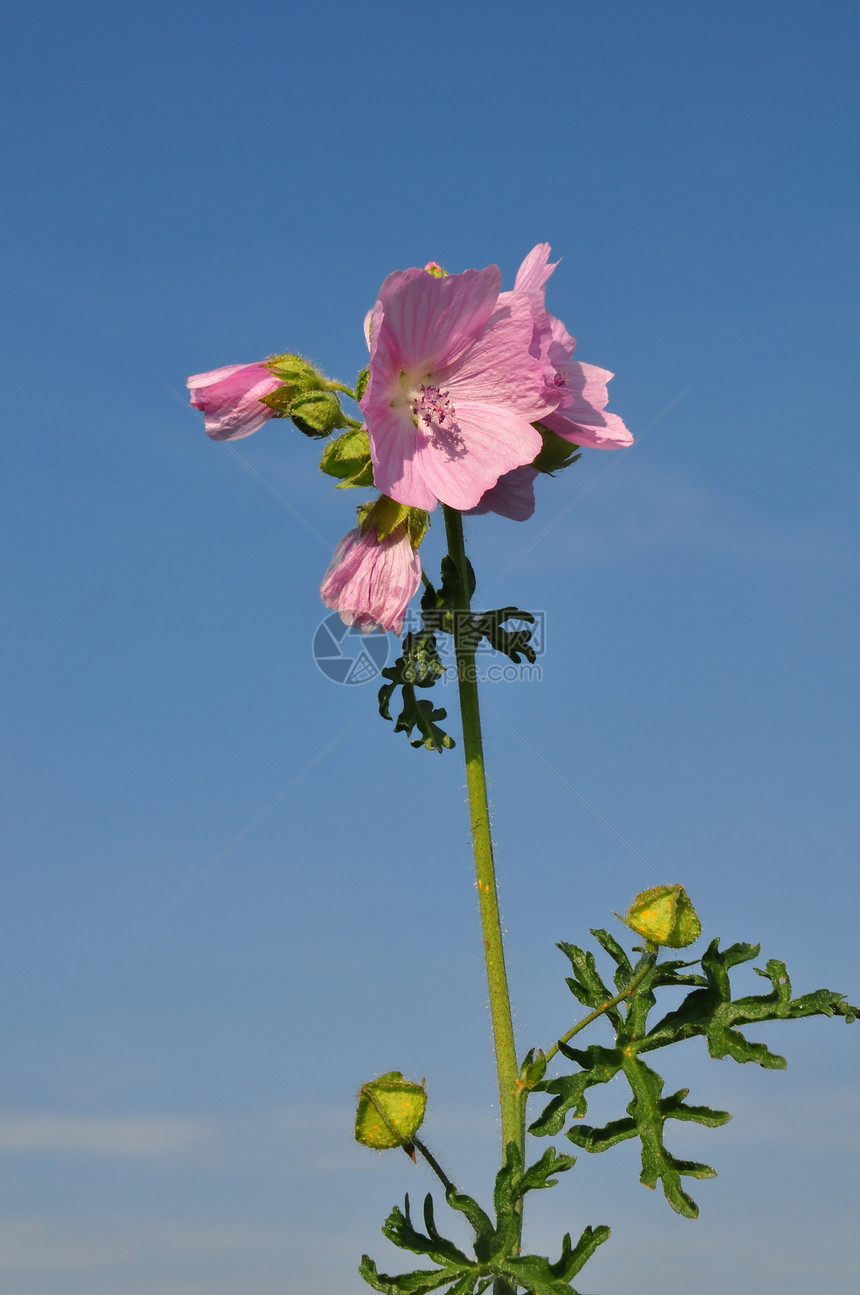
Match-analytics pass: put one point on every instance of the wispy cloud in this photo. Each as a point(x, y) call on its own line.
point(146, 1136)
point(51, 1244)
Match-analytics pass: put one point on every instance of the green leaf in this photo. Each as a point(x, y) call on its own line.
point(496, 1261)
point(648, 1112)
point(482, 1224)
point(511, 643)
point(361, 383)
point(540, 1276)
point(624, 967)
point(419, 667)
point(398, 1228)
point(598, 1066)
point(539, 1175)
point(711, 1011)
point(418, 1282)
point(449, 593)
point(586, 984)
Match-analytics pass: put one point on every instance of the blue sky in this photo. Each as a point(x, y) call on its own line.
point(191, 188)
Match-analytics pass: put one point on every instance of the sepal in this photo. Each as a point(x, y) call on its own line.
point(348, 459)
point(555, 453)
point(305, 397)
point(386, 514)
point(317, 413)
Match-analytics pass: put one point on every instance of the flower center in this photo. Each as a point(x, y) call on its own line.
point(431, 408)
point(430, 405)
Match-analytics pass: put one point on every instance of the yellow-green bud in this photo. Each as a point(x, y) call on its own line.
point(390, 1111)
point(664, 915)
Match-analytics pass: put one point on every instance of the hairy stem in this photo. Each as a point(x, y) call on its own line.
point(510, 1089)
point(434, 1165)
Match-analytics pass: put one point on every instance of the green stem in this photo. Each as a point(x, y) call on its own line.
point(641, 972)
point(510, 1089)
point(434, 1165)
point(341, 386)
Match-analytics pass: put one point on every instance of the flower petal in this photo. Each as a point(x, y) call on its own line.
point(505, 366)
point(427, 322)
point(494, 440)
point(512, 496)
point(369, 581)
point(230, 399)
point(584, 419)
point(535, 269)
point(393, 447)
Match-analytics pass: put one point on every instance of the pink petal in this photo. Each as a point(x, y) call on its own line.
point(505, 364)
point(426, 323)
point(370, 582)
point(393, 447)
point(494, 441)
point(512, 496)
point(535, 269)
point(584, 419)
point(230, 399)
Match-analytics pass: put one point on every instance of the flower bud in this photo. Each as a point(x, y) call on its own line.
point(317, 413)
point(664, 915)
point(234, 399)
point(370, 581)
point(390, 1111)
point(533, 1068)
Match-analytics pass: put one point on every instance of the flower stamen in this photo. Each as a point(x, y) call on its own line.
point(432, 407)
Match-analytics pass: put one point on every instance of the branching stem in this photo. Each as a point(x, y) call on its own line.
point(644, 967)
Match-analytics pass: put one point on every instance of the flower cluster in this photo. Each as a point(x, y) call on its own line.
point(464, 387)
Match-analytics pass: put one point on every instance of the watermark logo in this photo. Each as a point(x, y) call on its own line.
point(347, 656)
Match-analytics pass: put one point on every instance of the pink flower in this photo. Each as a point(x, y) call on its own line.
point(581, 388)
point(457, 378)
point(370, 581)
point(230, 399)
point(512, 496)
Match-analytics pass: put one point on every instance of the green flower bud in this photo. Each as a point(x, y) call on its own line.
point(348, 458)
point(664, 915)
point(533, 1068)
point(390, 1111)
point(317, 413)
